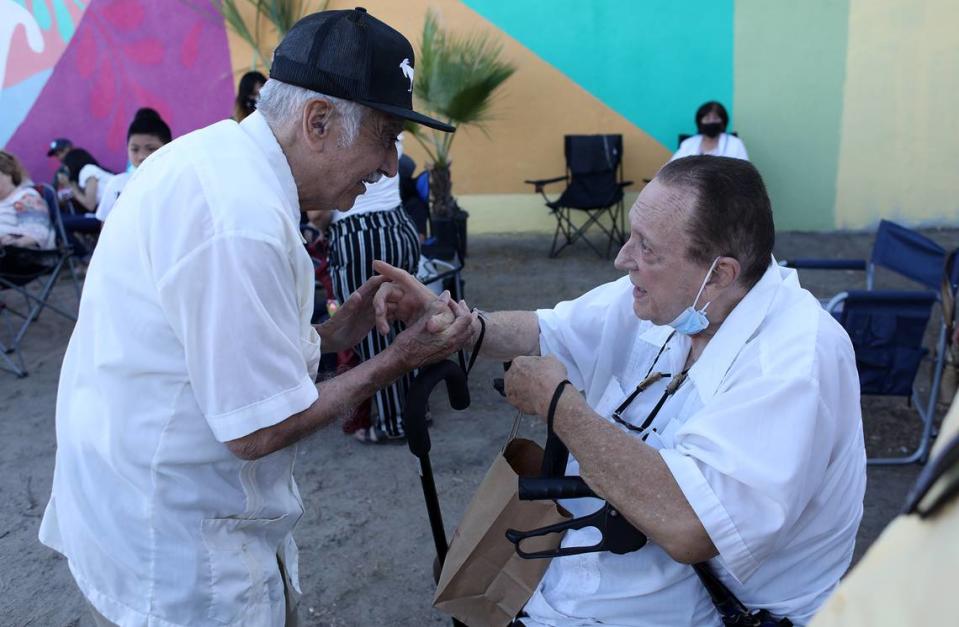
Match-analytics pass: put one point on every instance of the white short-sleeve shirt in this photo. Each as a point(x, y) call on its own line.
point(110, 195)
point(194, 329)
point(91, 171)
point(764, 439)
point(728, 146)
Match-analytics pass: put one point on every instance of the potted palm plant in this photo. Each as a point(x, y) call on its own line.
point(456, 77)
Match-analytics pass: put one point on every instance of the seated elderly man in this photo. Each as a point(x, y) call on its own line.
point(712, 402)
point(190, 373)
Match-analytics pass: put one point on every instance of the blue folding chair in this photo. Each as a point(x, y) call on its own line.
point(887, 327)
point(897, 248)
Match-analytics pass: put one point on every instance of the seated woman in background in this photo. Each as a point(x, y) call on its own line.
point(86, 177)
point(24, 216)
point(147, 133)
point(712, 139)
point(247, 95)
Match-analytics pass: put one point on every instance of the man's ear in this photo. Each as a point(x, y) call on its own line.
point(317, 124)
point(727, 271)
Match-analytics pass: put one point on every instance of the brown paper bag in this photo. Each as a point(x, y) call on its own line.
point(484, 582)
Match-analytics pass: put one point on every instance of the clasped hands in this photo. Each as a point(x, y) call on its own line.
point(530, 382)
point(436, 327)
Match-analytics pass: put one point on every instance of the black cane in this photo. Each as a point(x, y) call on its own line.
point(418, 437)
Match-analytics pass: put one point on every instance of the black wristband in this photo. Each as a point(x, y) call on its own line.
point(551, 413)
point(479, 341)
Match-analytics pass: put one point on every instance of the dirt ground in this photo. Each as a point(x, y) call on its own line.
point(366, 551)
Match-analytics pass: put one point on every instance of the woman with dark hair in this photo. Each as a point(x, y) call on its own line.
point(147, 133)
point(247, 95)
point(24, 216)
point(87, 179)
point(712, 139)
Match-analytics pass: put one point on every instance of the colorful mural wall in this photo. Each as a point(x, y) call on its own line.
point(845, 106)
point(80, 69)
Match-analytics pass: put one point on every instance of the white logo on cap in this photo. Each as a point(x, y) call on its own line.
point(407, 71)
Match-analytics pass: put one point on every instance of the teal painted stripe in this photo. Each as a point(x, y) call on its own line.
point(42, 14)
point(64, 21)
point(652, 61)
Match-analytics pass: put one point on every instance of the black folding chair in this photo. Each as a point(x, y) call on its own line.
point(594, 189)
point(20, 269)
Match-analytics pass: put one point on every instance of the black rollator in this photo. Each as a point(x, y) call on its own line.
point(618, 535)
point(418, 438)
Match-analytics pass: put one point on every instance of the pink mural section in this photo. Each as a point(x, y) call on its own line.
point(125, 54)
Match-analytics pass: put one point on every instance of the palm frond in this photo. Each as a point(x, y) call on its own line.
point(457, 77)
point(281, 15)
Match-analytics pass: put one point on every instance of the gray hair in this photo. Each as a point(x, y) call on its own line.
point(281, 102)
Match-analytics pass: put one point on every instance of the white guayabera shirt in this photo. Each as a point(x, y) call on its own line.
point(764, 438)
point(194, 329)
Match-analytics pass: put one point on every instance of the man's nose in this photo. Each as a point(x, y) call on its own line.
point(390, 162)
point(622, 259)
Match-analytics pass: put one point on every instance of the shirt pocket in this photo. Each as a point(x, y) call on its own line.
point(612, 396)
point(244, 576)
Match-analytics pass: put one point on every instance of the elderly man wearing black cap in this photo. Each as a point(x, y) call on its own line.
point(190, 374)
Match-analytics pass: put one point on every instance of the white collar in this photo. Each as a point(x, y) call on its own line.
point(257, 129)
point(738, 327)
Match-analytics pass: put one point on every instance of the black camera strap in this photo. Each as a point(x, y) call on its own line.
point(730, 608)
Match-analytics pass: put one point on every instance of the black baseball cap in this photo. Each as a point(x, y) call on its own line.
point(352, 55)
point(59, 144)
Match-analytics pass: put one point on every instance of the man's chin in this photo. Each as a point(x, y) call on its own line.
point(345, 203)
point(642, 314)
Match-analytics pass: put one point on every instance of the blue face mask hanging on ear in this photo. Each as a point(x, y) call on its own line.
point(692, 321)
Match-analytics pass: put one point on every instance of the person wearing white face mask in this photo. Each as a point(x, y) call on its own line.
point(706, 396)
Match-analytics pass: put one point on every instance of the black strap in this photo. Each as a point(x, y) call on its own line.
point(478, 345)
point(555, 454)
point(730, 608)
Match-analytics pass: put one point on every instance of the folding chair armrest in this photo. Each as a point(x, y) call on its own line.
point(825, 264)
point(538, 184)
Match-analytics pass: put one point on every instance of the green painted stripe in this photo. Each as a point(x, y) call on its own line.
point(790, 67)
point(654, 62)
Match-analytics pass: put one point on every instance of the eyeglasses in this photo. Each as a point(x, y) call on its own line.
point(651, 378)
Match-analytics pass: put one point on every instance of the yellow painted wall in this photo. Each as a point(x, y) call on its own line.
point(899, 148)
point(537, 106)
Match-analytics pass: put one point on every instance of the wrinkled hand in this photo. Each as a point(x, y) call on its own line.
point(402, 298)
point(442, 329)
point(531, 382)
point(356, 317)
